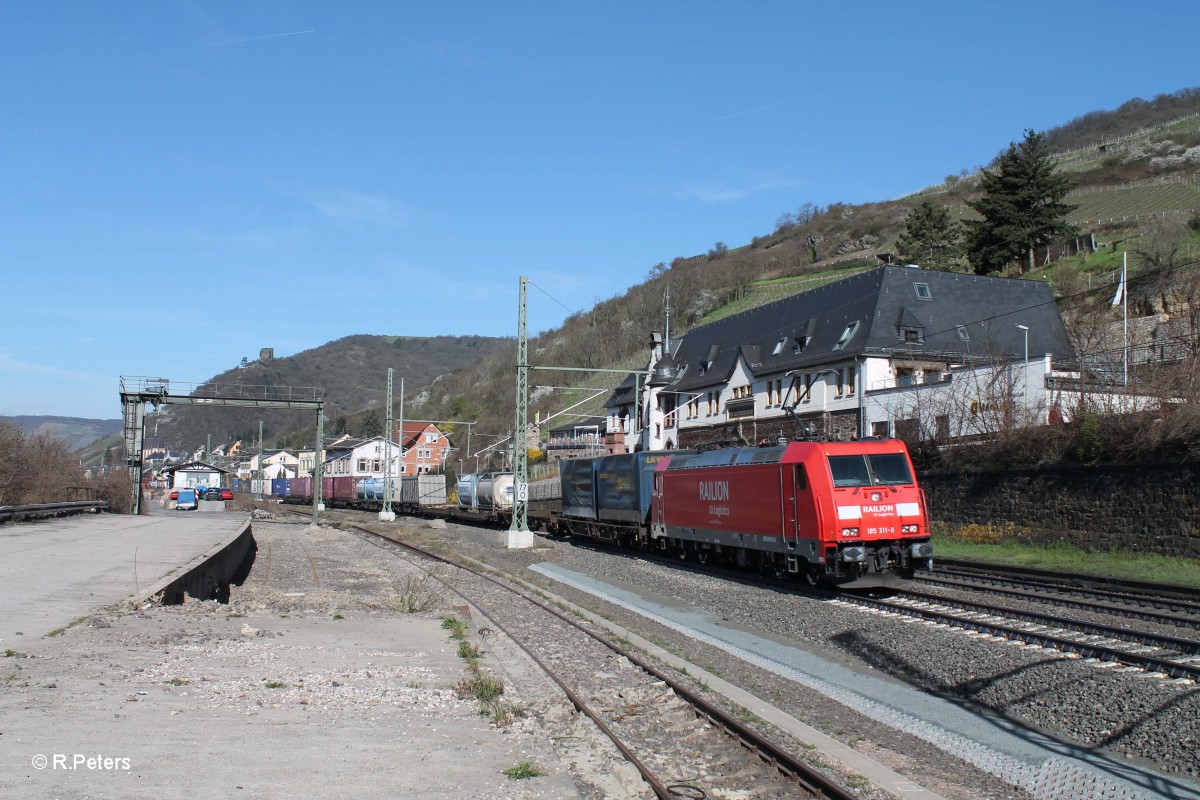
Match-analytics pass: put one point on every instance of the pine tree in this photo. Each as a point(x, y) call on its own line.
point(1022, 207)
point(371, 426)
point(931, 238)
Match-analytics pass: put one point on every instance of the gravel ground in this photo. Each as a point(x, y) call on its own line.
point(1143, 721)
point(312, 682)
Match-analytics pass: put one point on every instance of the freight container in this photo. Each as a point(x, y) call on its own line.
point(495, 491)
point(421, 490)
point(577, 477)
point(466, 491)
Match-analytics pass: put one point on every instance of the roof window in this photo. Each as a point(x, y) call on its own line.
point(962, 333)
point(779, 345)
point(847, 335)
point(922, 290)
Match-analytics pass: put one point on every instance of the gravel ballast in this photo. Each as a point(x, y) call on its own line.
point(1141, 728)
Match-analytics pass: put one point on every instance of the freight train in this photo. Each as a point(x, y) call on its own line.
point(844, 513)
point(410, 493)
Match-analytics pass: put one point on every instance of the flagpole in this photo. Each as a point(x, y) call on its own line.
point(1125, 307)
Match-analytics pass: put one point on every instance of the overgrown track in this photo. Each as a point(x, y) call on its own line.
point(682, 745)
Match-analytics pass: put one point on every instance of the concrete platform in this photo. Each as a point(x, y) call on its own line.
point(54, 572)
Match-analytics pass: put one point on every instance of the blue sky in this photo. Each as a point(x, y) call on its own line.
point(183, 182)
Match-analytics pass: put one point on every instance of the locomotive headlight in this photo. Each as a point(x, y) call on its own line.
point(854, 554)
point(850, 533)
point(908, 528)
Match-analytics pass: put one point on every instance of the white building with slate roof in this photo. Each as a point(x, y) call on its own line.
point(895, 351)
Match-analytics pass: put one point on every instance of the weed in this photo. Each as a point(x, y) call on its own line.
point(416, 594)
point(177, 681)
point(502, 714)
point(857, 782)
point(339, 616)
point(467, 650)
point(481, 686)
point(275, 685)
point(57, 632)
point(10, 653)
point(746, 716)
point(523, 770)
point(456, 626)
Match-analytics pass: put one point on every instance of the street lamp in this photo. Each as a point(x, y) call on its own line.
point(1025, 379)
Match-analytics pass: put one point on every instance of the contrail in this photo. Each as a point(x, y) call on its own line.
point(257, 38)
point(754, 110)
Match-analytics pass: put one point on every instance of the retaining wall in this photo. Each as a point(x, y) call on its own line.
point(1151, 508)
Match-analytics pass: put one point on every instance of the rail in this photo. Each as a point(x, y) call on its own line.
point(36, 510)
point(808, 778)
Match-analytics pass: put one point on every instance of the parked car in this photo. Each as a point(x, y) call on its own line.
point(226, 494)
point(174, 494)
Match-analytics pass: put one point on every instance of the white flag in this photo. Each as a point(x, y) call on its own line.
point(1119, 297)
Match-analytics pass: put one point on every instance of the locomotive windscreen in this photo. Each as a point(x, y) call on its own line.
point(870, 470)
point(890, 468)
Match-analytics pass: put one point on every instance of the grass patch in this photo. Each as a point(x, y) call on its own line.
point(177, 682)
point(457, 628)
point(482, 686)
point(502, 713)
point(523, 770)
point(275, 685)
point(857, 782)
point(1065, 557)
point(339, 616)
point(10, 653)
point(467, 650)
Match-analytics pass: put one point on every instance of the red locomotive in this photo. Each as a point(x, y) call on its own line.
point(848, 513)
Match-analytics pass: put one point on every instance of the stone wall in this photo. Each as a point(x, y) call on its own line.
point(1150, 508)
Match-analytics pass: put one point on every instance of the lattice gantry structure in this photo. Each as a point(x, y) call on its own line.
point(138, 391)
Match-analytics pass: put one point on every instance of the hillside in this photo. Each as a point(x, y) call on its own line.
point(1133, 167)
point(1129, 164)
point(75, 431)
point(352, 372)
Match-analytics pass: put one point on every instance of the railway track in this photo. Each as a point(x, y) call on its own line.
point(1180, 601)
point(1171, 656)
point(682, 745)
point(1183, 617)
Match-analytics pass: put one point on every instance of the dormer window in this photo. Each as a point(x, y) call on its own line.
point(847, 335)
point(799, 345)
point(911, 335)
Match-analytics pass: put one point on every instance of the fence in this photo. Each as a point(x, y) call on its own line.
point(1186, 180)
